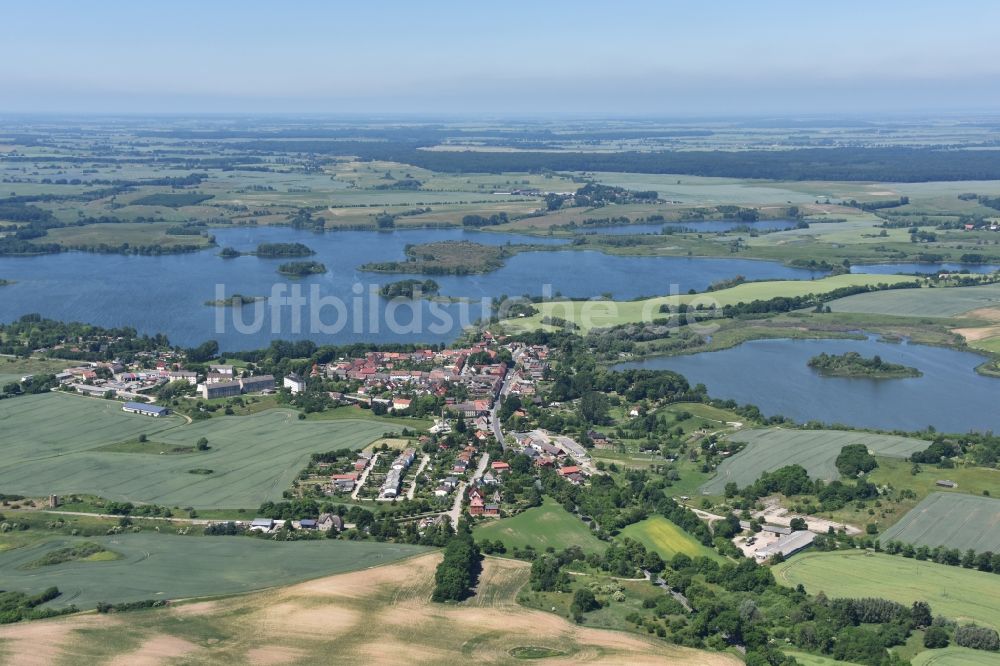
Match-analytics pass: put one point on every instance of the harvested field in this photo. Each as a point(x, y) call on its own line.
point(379, 616)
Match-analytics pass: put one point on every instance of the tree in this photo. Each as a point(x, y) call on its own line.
point(977, 638)
point(798, 524)
point(855, 459)
point(202, 444)
point(594, 407)
point(206, 351)
point(936, 637)
point(920, 614)
point(584, 601)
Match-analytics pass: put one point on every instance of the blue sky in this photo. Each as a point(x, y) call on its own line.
point(625, 57)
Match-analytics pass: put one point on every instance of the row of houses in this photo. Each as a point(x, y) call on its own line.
point(394, 477)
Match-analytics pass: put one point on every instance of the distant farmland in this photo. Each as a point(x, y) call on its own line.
point(159, 566)
point(953, 520)
point(947, 302)
point(954, 592)
point(769, 449)
point(49, 441)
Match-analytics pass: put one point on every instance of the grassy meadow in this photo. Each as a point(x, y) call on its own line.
point(660, 535)
point(541, 527)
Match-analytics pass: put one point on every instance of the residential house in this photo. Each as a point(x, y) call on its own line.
point(328, 521)
point(294, 383)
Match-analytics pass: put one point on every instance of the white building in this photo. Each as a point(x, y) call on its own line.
point(294, 383)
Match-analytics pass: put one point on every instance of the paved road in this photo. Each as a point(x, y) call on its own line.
point(413, 484)
point(494, 421)
point(364, 476)
point(456, 507)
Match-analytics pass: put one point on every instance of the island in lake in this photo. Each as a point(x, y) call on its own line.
point(410, 288)
point(301, 268)
point(853, 364)
point(271, 251)
point(236, 300)
point(445, 258)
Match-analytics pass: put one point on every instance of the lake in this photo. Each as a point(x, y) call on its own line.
point(773, 375)
point(705, 226)
point(166, 294)
point(890, 269)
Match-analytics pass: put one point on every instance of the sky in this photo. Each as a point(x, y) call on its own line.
point(627, 57)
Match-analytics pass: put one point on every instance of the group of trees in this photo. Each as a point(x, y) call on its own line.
point(458, 572)
point(89, 342)
point(854, 459)
point(17, 606)
point(853, 364)
point(477, 221)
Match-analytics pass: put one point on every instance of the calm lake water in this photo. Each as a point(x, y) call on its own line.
point(773, 375)
point(706, 226)
point(889, 269)
point(167, 293)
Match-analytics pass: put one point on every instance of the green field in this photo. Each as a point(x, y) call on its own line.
point(951, 519)
point(161, 566)
point(667, 539)
point(956, 656)
point(541, 527)
point(957, 593)
point(769, 449)
point(12, 369)
point(50, 440)
point(921, 302)
point(138, 234)
point(597, 314)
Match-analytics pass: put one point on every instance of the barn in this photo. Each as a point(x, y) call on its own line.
point(144, 409)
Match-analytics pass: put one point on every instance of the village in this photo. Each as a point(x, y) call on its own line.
point(447, 468)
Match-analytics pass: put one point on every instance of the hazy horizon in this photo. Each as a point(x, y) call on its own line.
point(517, 59)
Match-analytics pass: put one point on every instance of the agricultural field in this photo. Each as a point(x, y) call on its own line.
point(768, 449)
point(160, 566)
point(541, 527)
point(660, 535)
point(154, 233)
point(361, 617)
point(51, 441)
point(957, 593)
point(597, 314)
point(956, 656)
point(954, 520)
point(945, 303)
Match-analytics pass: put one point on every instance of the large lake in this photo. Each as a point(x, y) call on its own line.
point(166, 294)
point(773, 374)
point(702, 226)
point(933, 268)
